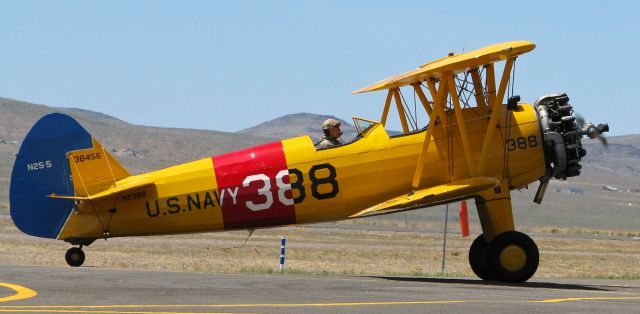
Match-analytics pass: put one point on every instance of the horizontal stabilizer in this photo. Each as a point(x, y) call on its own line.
point(130, 183)
point(430, 196)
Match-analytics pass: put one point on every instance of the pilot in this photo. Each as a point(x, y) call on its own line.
point(331, 130)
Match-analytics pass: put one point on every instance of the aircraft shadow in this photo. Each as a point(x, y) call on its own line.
point(535, 285)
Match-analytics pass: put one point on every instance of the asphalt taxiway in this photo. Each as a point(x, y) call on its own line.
point(94, 290)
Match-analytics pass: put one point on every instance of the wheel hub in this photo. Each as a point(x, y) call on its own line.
point(513, 258)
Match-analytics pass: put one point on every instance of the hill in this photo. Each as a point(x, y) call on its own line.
point(298, 124)
point(139, 148)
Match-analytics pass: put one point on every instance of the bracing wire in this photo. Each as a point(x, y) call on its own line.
point(430, 102)
point(415, 107)
point(485, 88)
point(414, 124)
point(513, 76)
point(506, 172)
point(464, 93)
point(507, 136)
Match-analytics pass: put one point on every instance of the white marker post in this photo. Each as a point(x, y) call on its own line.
point(282, 243)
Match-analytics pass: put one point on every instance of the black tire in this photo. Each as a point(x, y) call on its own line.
point(513, 256)
point(478, 260)
point(74, 257)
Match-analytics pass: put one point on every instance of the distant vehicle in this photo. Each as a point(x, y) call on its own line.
point(66, 186)
point(575, 191)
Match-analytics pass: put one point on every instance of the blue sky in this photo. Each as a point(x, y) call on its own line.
point(230, 65)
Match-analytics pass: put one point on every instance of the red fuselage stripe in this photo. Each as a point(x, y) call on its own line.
point(252, 185)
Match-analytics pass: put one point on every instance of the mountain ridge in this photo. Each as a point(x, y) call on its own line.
point(298, 124)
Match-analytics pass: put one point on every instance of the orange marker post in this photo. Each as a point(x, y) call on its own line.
point(464, 219)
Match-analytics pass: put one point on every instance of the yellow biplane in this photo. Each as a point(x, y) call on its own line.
point(66, 186)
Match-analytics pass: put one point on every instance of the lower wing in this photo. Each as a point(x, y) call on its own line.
point(430, 196)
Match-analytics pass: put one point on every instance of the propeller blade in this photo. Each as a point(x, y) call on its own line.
point(579, 120)
point(602, 139)
point(593, 131)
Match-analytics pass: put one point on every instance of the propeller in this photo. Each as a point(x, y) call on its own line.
point(593, 130)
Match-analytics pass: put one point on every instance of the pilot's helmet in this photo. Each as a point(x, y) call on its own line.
point(330, 123)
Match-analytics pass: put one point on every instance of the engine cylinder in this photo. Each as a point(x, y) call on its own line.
point(562, 136)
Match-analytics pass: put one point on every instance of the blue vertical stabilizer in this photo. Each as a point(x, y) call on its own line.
point(41, 168)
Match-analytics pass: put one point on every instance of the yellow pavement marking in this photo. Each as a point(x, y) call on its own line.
point(100, 312)
point(96, 308)
point(21, 292)
point(587, 299)
point(231, 305)
point(25, 293)
point(87, 308)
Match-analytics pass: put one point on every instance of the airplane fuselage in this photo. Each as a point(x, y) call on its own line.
point(290, 182)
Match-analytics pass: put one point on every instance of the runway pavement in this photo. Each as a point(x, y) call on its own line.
point(93, 290)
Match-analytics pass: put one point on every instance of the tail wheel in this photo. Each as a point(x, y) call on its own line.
point(74, 257)
point(478, 259)
point(513, 256)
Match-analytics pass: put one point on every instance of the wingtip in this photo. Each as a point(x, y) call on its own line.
point(361, 90)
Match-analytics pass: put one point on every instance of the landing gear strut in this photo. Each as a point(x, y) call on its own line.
point(510, 257)
point(74, 256)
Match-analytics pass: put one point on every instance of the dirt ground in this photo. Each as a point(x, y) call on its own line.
point(328, 250)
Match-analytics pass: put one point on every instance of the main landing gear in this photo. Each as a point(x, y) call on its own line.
point(511, 256)
point(74, 256)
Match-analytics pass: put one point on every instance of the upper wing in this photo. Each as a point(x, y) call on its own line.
point(455, 64)
point(429, 196)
